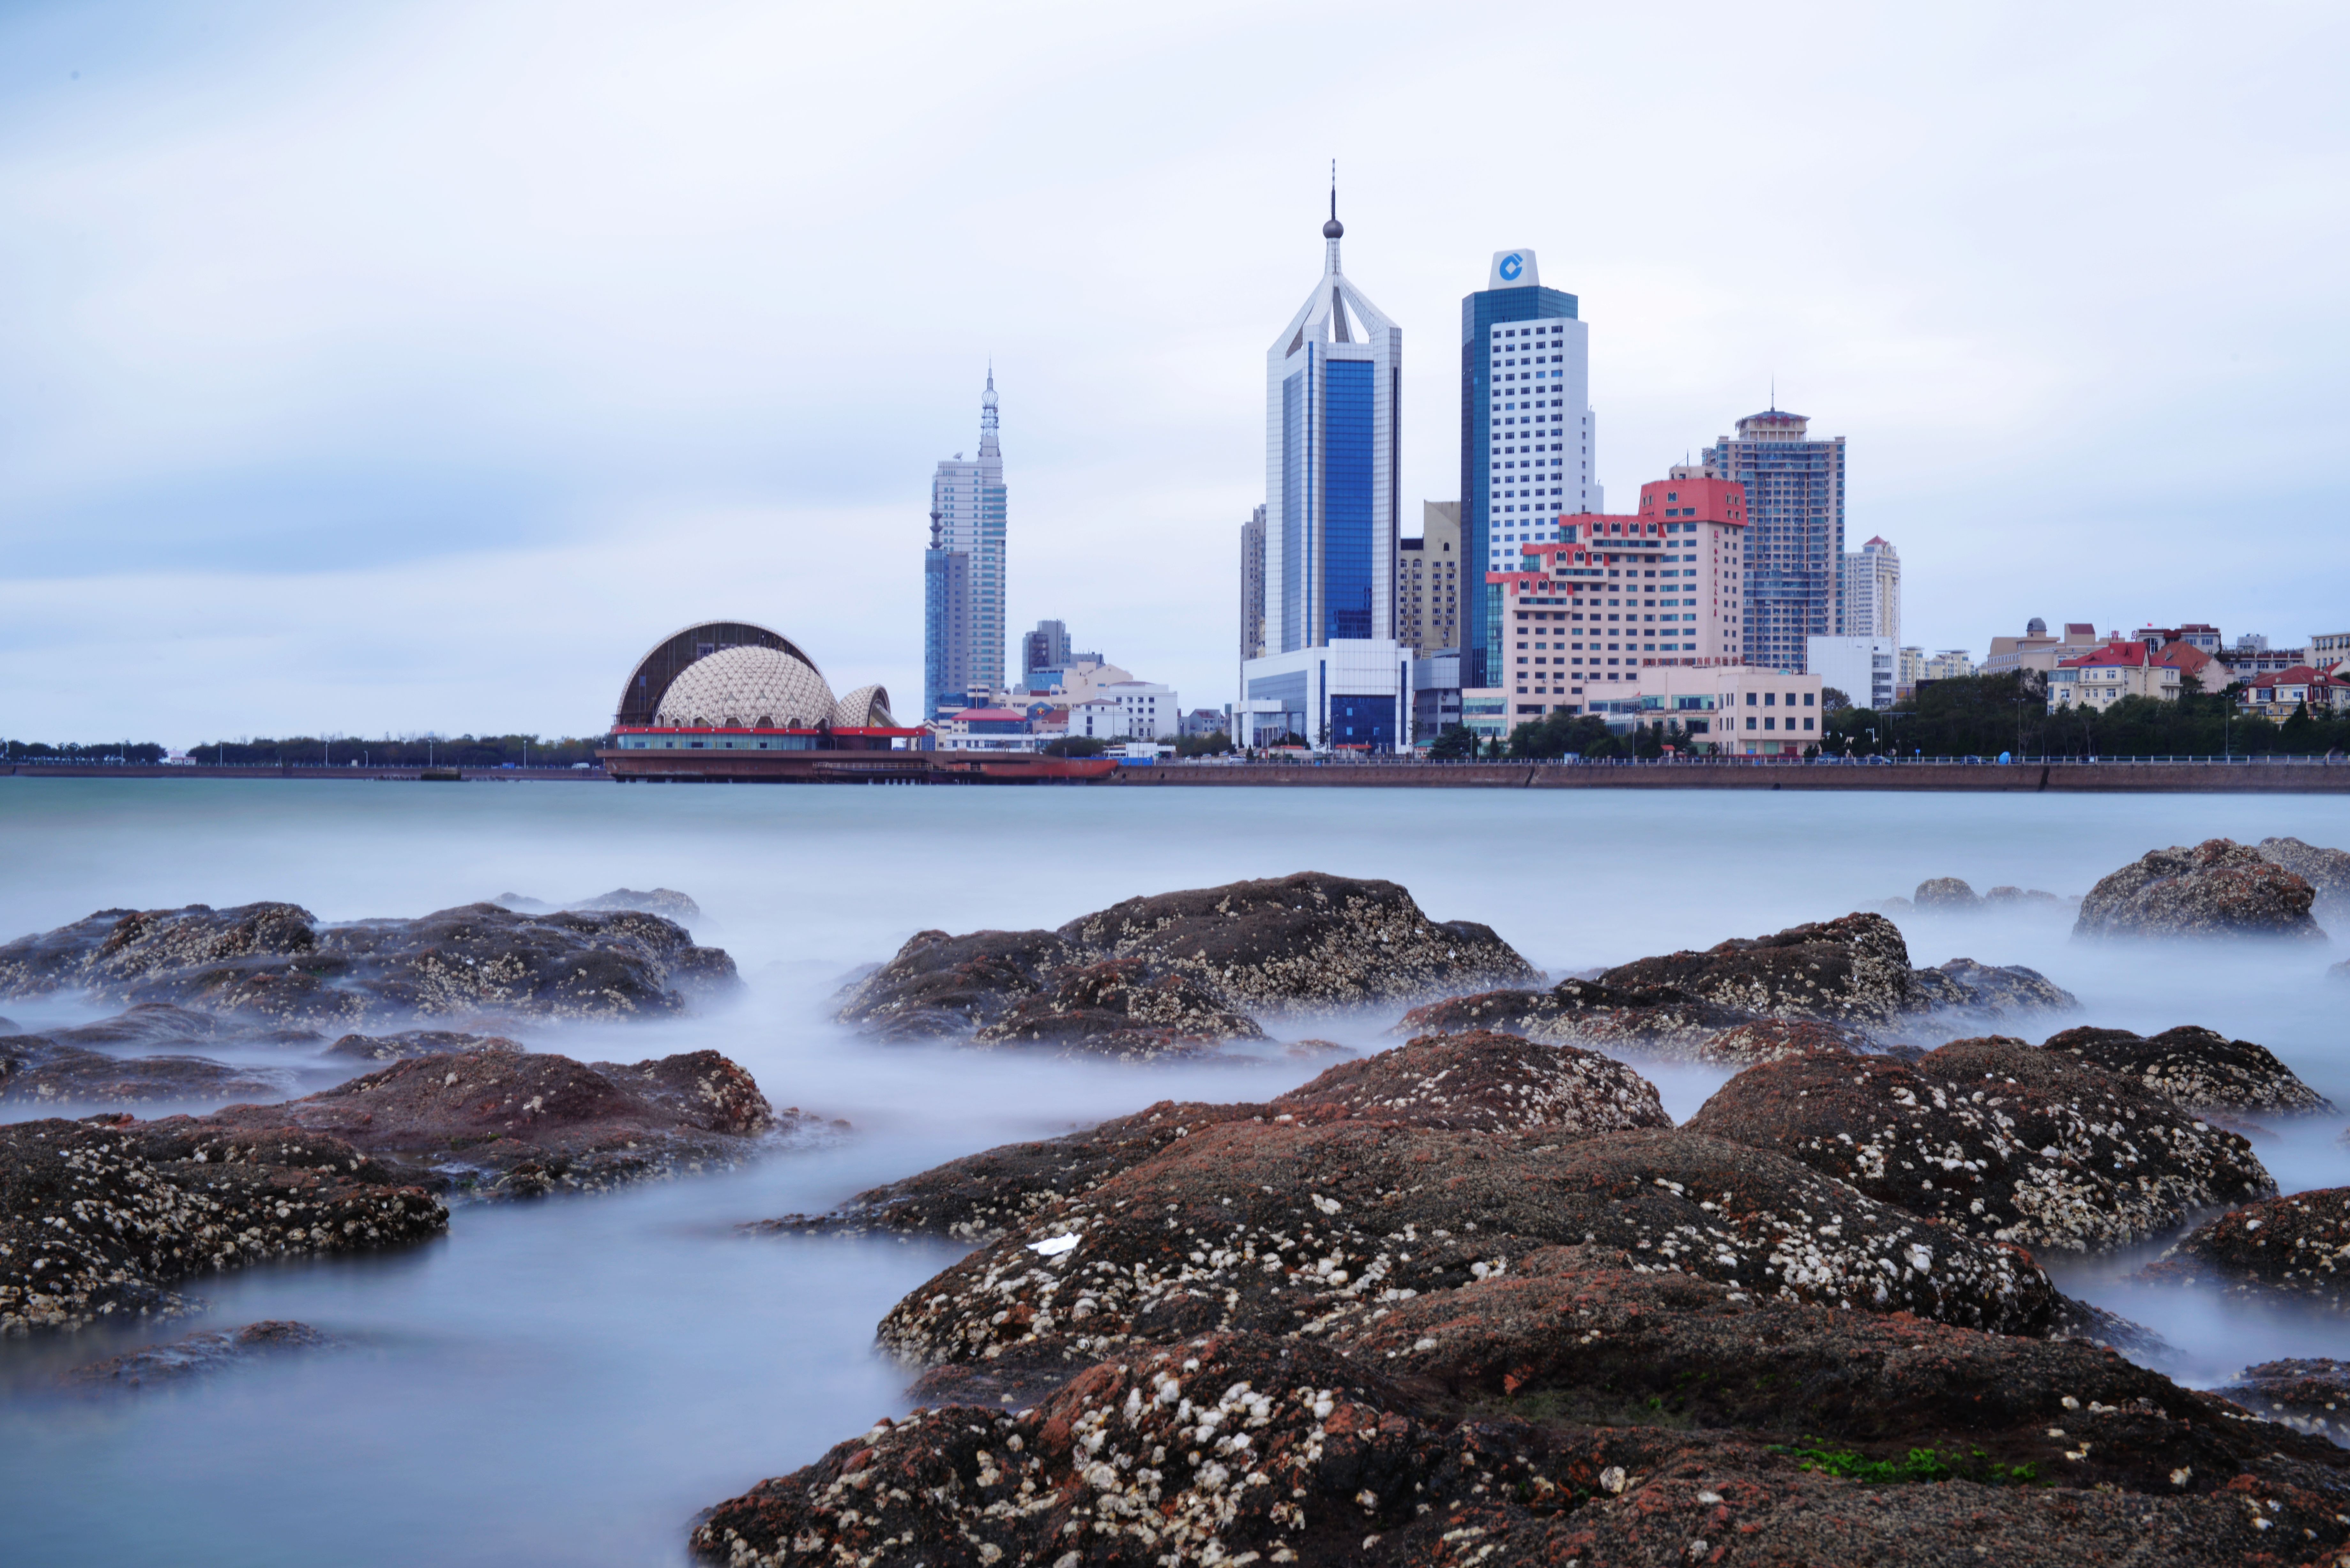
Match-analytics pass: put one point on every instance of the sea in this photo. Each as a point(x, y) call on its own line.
point(569, 1381)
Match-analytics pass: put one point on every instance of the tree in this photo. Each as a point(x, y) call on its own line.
point(1454, 742)
point(1833, 700)
point(1556, 735)
point(1209, 746)
point(1076, 746)
point(2298, 735)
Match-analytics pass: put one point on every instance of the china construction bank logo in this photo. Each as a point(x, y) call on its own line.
point(1511, 265)
point(1513, 269)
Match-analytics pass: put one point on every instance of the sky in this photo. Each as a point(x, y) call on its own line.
point(373, 369)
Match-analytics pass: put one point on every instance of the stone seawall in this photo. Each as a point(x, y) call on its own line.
point(2107, 778)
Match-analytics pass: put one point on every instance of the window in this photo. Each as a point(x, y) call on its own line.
point(1750, 717)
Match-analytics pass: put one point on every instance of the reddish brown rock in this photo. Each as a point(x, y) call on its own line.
point(1121, 1011)
point(1995, 1138)
point(517, 1125)
point(1295, 1230)
point(1779, 1039)
point(2295, 1248)
point(1663, 1022)
point(2310, 1395)
point(1477, 1081)
point(1241, 1448)
point(196, 1354)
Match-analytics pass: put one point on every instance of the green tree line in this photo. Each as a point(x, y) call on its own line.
point(1983, 715)
point(449, 751)
point(74, 752)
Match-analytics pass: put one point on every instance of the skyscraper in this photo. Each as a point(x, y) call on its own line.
point(1870, 593)
point(1527, 435)
point(1046, 648)
point(1253, 585)
point(946, 623)
point(967, 505)
point(1428, 575)
point(1794, 540)
point(1333, 381)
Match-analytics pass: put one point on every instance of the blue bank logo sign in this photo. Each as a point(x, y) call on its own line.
point(1513, 269)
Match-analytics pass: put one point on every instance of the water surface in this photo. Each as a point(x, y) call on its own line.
point(568, 1382)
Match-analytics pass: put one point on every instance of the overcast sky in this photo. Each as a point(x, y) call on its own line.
point(416, 367)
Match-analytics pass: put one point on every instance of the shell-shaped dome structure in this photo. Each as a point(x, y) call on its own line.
point(747, 687)
point(867, 708)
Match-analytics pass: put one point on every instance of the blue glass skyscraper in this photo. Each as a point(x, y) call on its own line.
point(1526, 436)
point(1333, 383)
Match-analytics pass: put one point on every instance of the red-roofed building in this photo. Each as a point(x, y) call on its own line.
point(2279, 692)
point(2098, 680)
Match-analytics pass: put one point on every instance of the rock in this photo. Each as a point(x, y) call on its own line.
point(2338, 971)
point(1945, 895)
point(1486, 1081)
point(507, 1124)
point(197, 1354)
point(2280, 1249)
point(1295, 1230)
point(667, 902)
point(2311, 1396)
point(2219, 889)
point(1583, 1335)
point(154, 1025)
point(1851, 970)
point(410, 1042)
point(1307, 942)
point(1121, 1011)
point(36, 1069)
point(1196, 965)
point(2199, 1069)
point(1316, 1050)
point(1660, 1021)
point(1489, 1082)
point(1237, 1448)
point(1993, 993)
point(1777, 1039)
point(99, 1217)
point(276, 961)
point(2031, 898)
point(1995, 1138)
point(938, 986)
point(2327, 872)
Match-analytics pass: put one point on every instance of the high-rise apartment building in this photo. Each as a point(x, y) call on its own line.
point(1527, 435)
point(1430, 571)
point(1794, 544)
point(1253, 585)
point(1870, 593)
point(1333, 381)
point(967, 508)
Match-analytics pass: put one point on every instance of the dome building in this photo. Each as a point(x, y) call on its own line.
point(734, 686)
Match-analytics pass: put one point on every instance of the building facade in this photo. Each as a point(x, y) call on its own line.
point(2098, 680)
point(1430, 571)
point(1046, 648)
point(1795, 547)
point(946, 623)
point(1870, 592)
point(1353, 695)
point(1252, 586)
point(968, 506)
point(1333, 383)
point(1862, 668)
point(1584, 616)
point(1527, 437)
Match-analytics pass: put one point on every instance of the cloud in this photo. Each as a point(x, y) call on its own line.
point(415, 368)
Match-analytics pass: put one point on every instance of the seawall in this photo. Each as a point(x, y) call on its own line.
point(2262, 778)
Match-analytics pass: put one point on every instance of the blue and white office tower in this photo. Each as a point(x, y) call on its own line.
point(1333, 385)
point(1527, 435)
point(964, 579)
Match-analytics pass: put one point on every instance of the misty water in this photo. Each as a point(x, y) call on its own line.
point(569, 1381)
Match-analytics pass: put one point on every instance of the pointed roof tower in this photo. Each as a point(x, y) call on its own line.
point(987, 447)
point(1336, 312)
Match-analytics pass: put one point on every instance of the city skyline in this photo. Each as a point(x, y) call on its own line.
point(278, 445)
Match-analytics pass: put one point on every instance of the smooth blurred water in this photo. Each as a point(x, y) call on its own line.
point(568, 1382)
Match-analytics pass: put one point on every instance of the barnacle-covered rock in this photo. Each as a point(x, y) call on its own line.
point(1946, 894)
point(196, 1354)
point(1293, 1229)
point(278, 963)
point(1996, 1138)
point(2199, 1069)
point(1482, 1081)
point(515, 1124)
point(2311, 1395)
point(1777, 1039)
point(101, 1218)
point(1120, 1010)
point(41, 1070)
point(2217, 889)
point(2294, 1248)
point(1657, 1021)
